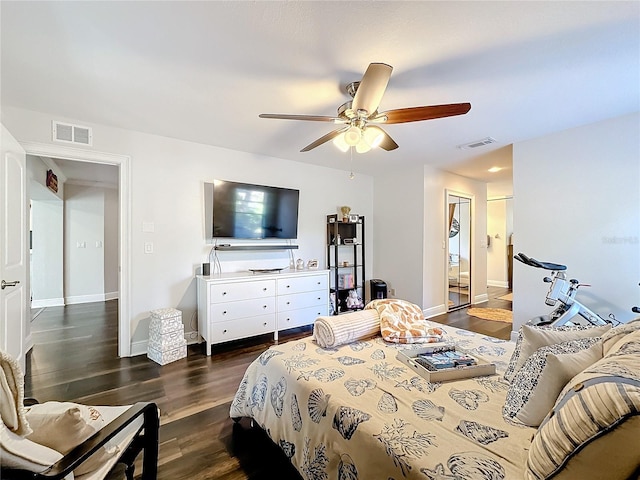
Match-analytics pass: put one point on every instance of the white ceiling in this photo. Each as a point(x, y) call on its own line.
point(203, 71)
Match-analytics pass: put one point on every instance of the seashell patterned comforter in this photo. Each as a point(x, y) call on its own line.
point(356, 412)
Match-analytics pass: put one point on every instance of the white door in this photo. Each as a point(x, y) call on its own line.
point(14, 290)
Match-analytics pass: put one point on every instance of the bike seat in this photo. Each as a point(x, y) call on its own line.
point(532, 262)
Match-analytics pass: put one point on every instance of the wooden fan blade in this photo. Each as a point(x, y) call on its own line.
point(416, 114)
point(323, 139)
point(387, 142)
point(312, 118)
point(374, 136)
point(372, 87)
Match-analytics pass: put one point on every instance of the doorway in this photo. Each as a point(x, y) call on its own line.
point(458, 250)
point(123, 162)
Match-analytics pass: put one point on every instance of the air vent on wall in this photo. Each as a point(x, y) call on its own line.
point(67, 133)
point(477, 143)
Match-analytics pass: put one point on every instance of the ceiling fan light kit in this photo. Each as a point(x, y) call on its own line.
point(363, 109)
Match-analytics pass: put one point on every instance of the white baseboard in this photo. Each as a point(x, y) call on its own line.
point(47, 302)
point(97, 297)
point(139, 348)
point(434, 311)
point(481, 298)
point(497, 283)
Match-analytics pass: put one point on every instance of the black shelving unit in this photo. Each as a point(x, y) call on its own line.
point(345, 260)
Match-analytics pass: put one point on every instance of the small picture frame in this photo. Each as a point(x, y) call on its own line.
point(353, 218)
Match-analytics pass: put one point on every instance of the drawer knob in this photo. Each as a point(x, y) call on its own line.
point(288, 319)
point(288, 286)
point(264, 324)
point(224, 331)
point(318, 283)
point(288, 303)
point(264, 306)
point(264, 289)
point(319, 298)
point(224, 313)
point(224, 293)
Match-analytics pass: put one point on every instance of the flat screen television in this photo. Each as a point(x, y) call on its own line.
point(248, 211)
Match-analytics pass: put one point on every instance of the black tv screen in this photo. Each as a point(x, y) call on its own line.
point(247, 211)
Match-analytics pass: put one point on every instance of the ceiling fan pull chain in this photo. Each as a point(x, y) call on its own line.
point(351, 174)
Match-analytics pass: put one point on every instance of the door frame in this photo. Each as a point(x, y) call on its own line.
point(472, 213)
point(124, 212)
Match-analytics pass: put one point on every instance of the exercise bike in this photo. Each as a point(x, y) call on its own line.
point(562, 295)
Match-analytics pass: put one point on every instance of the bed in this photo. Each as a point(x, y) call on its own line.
point(564, 403)
point(355, 411)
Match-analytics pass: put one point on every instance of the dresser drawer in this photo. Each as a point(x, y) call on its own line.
point(301, 284)
point(221, 312)
point(301, 300)
point(246, 327)
point(231, 292)
point(300, 317)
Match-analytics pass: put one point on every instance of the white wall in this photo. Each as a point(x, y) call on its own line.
point(577, 202)
point(84, 244)
point(410, 231)
point(499, 229)
point(47, 252)
point(167, 178)
point(111, 237)
point(46, 259)
point(398, 213)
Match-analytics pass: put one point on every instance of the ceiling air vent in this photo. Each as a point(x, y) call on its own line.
point(477, 143)
point(67, 133)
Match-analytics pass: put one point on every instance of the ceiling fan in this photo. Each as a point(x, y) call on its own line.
point(360, 117)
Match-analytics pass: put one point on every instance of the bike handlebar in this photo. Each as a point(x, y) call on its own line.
point(532, 262)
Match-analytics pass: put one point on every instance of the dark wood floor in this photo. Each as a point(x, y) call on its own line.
point(74, 358)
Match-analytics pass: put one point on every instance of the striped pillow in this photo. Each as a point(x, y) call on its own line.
point(593, 428)
point(334, 330)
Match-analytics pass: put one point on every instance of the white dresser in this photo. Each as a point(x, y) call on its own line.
point(239, 305)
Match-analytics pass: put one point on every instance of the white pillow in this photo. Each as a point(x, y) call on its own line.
point(63, 425)
point(531, 338)
point(22, 453)
point(534, 390)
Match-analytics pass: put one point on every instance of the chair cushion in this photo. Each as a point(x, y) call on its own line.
point(531, 338)
point(98, 466)
point(534, 391)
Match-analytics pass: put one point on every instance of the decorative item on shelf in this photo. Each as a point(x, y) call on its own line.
point(354, 302)
point(353, 218)
point(345, 209)
point(345, 280)
point(338, 240)
point(345, 263)
point(300, 264)
point(312, 264)
point(333, 306)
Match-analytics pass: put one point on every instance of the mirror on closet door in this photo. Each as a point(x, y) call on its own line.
point(458, 250)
